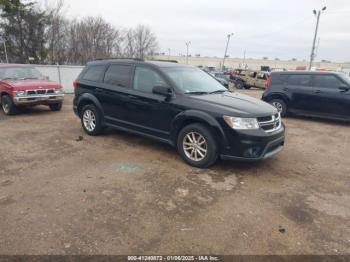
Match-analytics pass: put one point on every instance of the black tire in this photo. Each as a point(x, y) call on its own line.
point(97, 129)
point(280, 105)
point(8, 106)
point(239, 84)
point(56, 106)
point(211, 154)
point(247, 87)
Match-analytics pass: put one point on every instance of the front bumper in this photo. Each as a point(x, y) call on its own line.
point(252, 145)
point(38, 99)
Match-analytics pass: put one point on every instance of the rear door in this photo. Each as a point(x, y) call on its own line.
point(329, 99)
point(301, 92)
point(114, 95)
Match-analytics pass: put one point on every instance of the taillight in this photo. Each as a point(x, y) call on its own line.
point(75, 83)
point(268, 81)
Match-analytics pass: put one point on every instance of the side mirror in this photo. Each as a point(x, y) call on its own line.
point(162, 90)
point(343, 88)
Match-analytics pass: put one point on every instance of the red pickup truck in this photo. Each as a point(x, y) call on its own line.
point(25, 86)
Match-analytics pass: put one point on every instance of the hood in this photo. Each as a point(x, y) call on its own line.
point(238, 104)
point(31, 84)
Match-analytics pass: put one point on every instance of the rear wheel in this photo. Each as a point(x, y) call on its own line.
point(8, 106)
point(280, 105)
point(55, 107)
point(197, 146)
point(91, 120)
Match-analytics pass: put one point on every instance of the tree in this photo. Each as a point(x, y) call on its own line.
point(92, 38)
point(23, 28)
point(56, 33)
point(145, 41)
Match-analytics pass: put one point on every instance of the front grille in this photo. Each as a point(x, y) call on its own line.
point(270, 123)
point(40, 92)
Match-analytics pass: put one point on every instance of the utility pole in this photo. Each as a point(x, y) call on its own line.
point(187, 46)
point(318, 15)
point(168, 53)
point(7, 60)
point(228, 40)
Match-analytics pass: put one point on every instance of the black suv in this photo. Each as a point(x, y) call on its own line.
point(177, 104)
point(319, 94)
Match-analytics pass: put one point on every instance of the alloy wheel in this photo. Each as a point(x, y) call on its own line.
point(278, 106)
point(195, 146)
point(89, 120)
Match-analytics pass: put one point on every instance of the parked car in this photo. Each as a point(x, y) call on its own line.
point(250, 78)
point(222, 78)
point(320, 94)
point(24, 86)
point(180, 105)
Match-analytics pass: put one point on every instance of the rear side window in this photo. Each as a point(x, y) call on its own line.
point(262, 76)
point(94, 73)
point(118, 75)
point(327, 81)
point(299, 80)
point(278, 79)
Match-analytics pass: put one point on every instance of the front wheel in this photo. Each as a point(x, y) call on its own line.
point(55, 107)
point(8, 106)
point(280, 106)
point(197, 146)
point(239, 85)
point(91, 120)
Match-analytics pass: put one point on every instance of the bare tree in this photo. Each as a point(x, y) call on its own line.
point(57, 33)
point(145, 41)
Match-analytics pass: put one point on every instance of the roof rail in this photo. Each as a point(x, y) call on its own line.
point(165, 60)
point(120, 58)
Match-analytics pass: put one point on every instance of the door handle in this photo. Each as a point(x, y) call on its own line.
point(317, 91)
point(285, 89)
point(132, 97)
point(98, 90)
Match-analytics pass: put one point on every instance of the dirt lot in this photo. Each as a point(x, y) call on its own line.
point(122, 194)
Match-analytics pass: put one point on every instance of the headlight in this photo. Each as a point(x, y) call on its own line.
point(59, 91)
point(20, 93)
point(242, 123)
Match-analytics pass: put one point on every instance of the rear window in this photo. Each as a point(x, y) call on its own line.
point(118, 75)
point(299, 80)
point(94, 73)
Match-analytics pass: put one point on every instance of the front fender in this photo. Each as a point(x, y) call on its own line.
point(194, 116)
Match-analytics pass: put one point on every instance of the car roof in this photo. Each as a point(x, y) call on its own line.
point(303, 72)
point(160, 64)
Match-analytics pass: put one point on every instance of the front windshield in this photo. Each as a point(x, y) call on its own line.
point(20, 73)
point(193, 80)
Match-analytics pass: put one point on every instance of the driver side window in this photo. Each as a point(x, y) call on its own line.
point(145, 79)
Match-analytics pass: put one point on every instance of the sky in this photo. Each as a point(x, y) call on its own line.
point(262, 28)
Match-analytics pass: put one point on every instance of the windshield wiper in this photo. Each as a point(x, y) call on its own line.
point(197, 92)
point(218, 91)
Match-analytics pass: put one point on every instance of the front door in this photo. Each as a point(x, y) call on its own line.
point(149, 113)
point(330, 99)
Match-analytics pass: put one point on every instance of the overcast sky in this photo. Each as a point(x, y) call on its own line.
point(272, 28)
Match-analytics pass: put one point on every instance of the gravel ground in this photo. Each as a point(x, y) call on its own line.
point(123, 194)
